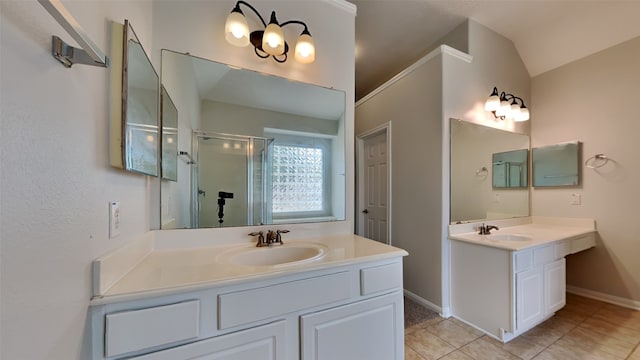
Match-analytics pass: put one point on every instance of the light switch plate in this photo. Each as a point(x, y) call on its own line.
point(114, 219)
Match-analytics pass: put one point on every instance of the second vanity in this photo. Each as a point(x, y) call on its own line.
point(336, 297)
point(509, 281)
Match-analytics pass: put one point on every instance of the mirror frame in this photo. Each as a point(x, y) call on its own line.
point(123, 139)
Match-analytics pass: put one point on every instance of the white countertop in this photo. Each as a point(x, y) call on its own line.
point(540, 230)
point(173, 270)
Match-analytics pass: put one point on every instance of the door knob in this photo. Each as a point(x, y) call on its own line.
point(365, 211)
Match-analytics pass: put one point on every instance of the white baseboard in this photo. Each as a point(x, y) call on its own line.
point(612, 299)
point(426, 303)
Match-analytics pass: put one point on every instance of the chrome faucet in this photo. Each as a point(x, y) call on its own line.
point(270, 238)
point(486, 229)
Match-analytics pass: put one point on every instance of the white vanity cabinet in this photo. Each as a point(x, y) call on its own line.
point(336, 333)
point(540, 287)
point(353, 311)
point(505, 292)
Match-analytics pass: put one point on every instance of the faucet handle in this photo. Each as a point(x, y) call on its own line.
point(260, 235)
point(279, 236)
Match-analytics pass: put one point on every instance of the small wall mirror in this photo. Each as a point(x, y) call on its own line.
point(510, 169)
point(134, 115)
point(556, 165)
point(169, 117)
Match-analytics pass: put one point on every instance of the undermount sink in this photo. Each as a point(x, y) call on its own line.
point(508, 237)
point(277, 255)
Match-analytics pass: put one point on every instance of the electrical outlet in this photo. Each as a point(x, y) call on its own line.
point(576, 199)
point(114, 219)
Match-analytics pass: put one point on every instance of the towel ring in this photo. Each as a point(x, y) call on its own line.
point(482, 171)
point(596, 161)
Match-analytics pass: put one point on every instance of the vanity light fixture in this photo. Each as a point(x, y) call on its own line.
point(505, 106)
point(270, 41)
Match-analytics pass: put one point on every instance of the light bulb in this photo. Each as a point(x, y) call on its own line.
point(504, 108)
point(524, 114)
point(492, 103)
point(273, 38)
point(236, 29)
point(305, 52)
point(514, 111)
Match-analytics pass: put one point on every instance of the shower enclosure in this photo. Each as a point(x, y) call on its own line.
point(230, 180)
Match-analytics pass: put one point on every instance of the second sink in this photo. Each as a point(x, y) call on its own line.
point(508, 237)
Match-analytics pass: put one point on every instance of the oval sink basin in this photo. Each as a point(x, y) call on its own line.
point(287, 254)
point(508, 237)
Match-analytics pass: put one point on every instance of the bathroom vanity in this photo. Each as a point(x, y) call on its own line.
point(329, 297)
point(509, 281)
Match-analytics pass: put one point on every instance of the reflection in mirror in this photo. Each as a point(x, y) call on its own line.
point(510, 169)
point(472, 194)
point(169, 117)
point(556, 165)
point(267, 150)
point(134, 123)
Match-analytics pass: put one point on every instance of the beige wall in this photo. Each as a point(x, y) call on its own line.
point(56, 178)
point(496, 62)
point(413, 105)
point(595, 100)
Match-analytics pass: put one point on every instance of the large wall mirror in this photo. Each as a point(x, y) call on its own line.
point(261, 149)
point(134, 112)
point(489, 171)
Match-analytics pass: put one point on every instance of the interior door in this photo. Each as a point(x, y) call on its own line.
point(376, 187)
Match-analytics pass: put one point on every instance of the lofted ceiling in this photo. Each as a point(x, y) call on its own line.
point(392, 34)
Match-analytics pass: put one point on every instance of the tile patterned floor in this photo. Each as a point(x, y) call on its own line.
point(585, 329)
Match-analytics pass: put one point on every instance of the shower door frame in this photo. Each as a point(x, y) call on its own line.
point(195, 199)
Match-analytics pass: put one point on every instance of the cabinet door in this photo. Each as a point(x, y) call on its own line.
point(555, 286)
point(260, 343)
point(529, 298)
point(370, 329)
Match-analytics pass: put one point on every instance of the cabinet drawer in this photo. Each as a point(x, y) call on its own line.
point(243, 307)
point(563, 248)
point(583, 242)
point(523, 260)
point(543, 255)
point(380, 278)
point(140, 329)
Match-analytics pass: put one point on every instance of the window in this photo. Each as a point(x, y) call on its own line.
point(300, 176)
